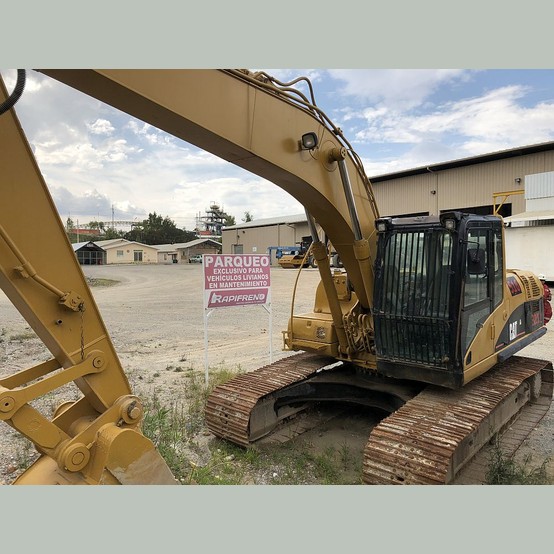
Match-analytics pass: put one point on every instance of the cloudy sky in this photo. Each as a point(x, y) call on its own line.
point(100, 163)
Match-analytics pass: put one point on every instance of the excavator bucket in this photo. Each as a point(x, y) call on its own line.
point(130, 459)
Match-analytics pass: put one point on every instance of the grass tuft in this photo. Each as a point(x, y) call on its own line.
point(195, 457)
point(504, 470)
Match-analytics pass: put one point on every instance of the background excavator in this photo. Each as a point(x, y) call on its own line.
point(423, 323)
point(301, 256)
point(298, 257)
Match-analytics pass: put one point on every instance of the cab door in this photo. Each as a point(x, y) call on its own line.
point(482, 291)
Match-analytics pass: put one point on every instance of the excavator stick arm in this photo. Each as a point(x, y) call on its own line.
point(47, 286)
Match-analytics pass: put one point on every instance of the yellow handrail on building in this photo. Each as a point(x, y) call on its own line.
point(505, 195)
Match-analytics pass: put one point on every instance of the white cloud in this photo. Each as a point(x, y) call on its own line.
point(81, 156)
point(148, 133)
point(497, 118)
point(399, 89)
point(100, 127)
point(89, 205)
point(494, 121)
point(237, 195)
point(83, 145)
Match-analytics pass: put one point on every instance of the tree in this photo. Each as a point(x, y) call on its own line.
point(96, 225)
point(76, 234)
point(229, 220)
point(158, 230)
point(111, 233)
point(247, 217)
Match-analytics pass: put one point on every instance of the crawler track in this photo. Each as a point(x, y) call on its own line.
point(428, 440)
point(432, 437)
point(229, 407)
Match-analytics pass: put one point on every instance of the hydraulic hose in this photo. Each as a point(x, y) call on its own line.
point(16, 94)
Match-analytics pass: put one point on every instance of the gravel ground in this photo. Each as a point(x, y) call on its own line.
point(155, 318)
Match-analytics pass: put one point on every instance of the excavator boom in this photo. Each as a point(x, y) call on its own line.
point(252, 124)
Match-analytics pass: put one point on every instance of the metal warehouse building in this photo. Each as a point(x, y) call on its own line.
point(263, 236)
point(468, 184)
point(477, 184)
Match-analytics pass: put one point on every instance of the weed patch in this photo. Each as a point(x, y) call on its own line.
point(95, 282)
point(174, 428)
point(195, 457)
point(504, 470)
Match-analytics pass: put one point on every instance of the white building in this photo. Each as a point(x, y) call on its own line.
point(123, 251)
point(181, 252)
point(530, 234)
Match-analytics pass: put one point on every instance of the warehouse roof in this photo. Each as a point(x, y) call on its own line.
point(462, 162)
point(119, 243)
point(281, 220)
point(190, 244)
point(520, 220)
point(88, 244)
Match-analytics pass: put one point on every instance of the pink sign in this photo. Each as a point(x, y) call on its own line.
point(236, 280)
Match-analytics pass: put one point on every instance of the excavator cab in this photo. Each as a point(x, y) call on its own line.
point(440, 304)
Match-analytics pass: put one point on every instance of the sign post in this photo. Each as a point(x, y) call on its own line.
point(232, 280)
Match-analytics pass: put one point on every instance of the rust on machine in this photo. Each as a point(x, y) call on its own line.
point(230, 406)
point(432, 437)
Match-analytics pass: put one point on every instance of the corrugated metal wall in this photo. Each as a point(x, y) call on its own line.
point(539, 185)
point(406, 195)
point(259, 239)
point(431, 192)
point(462, 187)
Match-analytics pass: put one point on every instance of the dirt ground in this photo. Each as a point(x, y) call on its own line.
point(155, 318)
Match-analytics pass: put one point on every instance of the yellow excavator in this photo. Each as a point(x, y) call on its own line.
point(423, 322)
